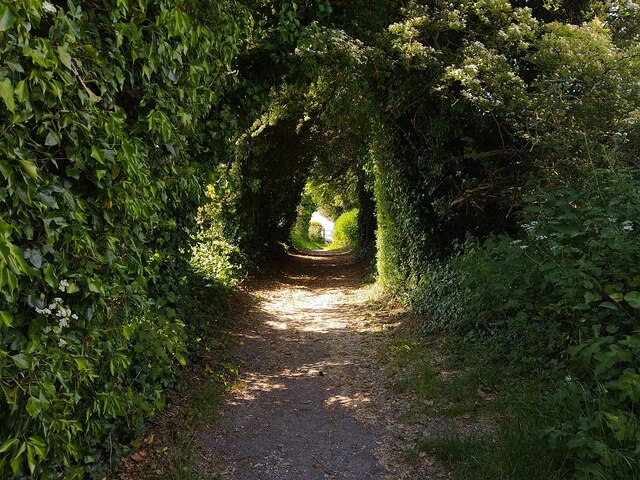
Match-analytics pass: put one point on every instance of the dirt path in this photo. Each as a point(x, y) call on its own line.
point(311, 401)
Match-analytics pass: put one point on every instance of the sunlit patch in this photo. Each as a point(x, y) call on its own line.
point(252, 385)
point(313, 369)
point(354, 401)
point(276, 325)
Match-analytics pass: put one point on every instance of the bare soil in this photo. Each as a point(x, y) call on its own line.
point(312, 398)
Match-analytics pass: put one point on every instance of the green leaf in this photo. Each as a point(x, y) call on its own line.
point(16, 461)
point(6, 92)
point(36, 258)
point(5, 229)
point(633, 299)
point(31, 459)
point(23, 360)
point(21, 91)
point(35, 406)
point(16, 260)
point(8, 444)
point(96, 286)
point(52, 139)
point(7, 19)
point(591, 297)
point(65, 58)
point(72, 288)
point(35, 447)
point(50, 277)
point(97, 153)
point(30, 168)
point(6, 318)
point(82, 363)
point(8, 278)
point(127, 331)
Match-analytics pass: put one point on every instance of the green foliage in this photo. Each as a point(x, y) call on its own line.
point(104, 106)
point(316, 232)
point(567, 288)
point(300, 232)
point(116, 113)
point(304, 243)
point(345, 230)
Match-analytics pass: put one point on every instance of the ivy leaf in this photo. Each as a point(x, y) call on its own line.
point(6, 318)
point(8, 278)
point(96, 286)
point(23, 360)
point(7, 19)
point(35, 406)
point(36, 258)
point(21, 91)
point(65, 57)
point(6, 92)
point(50, 277)
point(633, 299)
point(16, 461)
point(8, 444)
point(82, 363)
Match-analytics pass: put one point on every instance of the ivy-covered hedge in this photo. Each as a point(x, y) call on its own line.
point(104, 115)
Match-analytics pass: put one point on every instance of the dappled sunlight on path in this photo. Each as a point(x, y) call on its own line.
point(307, 402)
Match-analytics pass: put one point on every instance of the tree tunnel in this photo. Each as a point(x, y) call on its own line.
point(152, 150)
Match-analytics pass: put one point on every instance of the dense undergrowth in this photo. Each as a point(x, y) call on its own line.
point(560, 301)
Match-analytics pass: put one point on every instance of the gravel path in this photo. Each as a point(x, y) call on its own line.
point(311, 401)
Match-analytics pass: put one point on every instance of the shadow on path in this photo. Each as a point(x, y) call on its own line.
point(302, 407)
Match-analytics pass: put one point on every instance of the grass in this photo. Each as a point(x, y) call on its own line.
point(466, 388)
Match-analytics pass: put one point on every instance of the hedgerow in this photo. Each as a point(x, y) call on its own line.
point(104, 105)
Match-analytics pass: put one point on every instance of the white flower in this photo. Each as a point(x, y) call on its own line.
point(568, 378)
point(49, 7)
point(63, 285)
point(62, 342)
point(39, 310)
point(628, 226)
point(47, 311)
point(47, 329)
point(74, 316)
point(63, 323)
point(57, 300)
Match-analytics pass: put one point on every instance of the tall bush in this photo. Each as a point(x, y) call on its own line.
point(345, 230)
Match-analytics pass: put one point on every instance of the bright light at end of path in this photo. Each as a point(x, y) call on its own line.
point(326, 224)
